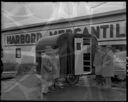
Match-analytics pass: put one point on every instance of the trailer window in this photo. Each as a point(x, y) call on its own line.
point(78, 46)
point(86, 41)
point(18, 52)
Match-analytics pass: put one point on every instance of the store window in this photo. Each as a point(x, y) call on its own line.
point(18, 52)
point(119, 48)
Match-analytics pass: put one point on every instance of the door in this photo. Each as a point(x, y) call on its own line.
point(87, 56)
point(82, 56)
point(39, 61)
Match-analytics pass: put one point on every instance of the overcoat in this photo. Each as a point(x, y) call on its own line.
point(98, 62)
point(46, 67)
point(108, 65)
point(54, 60)
point(50, 66)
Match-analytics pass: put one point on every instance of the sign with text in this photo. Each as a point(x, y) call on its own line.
point(104, 31)
point(24, 38)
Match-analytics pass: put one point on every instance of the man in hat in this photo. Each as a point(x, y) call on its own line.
point(108, 66)
point(53, 59)
point(98, 63)
point(45, 71)
point(49, 70)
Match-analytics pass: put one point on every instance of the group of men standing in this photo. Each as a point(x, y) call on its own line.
point(103, 63)
point(50, 68)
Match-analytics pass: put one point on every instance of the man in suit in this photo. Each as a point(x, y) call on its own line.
point(108, 66)
point(49, 70)
point(98, 63)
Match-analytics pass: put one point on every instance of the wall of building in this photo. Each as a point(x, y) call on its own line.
point(109, 29)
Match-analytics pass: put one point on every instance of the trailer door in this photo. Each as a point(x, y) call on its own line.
point(83, 57)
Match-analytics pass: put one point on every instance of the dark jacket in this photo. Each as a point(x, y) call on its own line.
point(108, 66)
point(1, 69)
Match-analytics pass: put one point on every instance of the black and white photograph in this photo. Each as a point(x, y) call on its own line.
point(63, 51)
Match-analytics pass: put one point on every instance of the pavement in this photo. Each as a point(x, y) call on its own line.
point(77, 93)
point(80, 92)
point(84, 92)
point(27, 87)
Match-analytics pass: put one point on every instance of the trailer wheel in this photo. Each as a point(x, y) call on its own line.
point(72, 80)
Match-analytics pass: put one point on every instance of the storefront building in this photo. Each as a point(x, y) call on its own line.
point(18, 43)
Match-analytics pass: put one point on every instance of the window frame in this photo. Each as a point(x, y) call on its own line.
point(18, 52)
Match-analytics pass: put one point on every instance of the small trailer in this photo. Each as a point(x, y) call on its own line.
point(76, 54)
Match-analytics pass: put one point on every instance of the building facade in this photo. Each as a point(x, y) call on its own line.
point(19, 43)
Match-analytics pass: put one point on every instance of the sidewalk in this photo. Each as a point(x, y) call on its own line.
point(85, 81)
point(25, 88)
point(28, 88)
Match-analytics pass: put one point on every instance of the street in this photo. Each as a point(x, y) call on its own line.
point(78, 92)
point(81, 93)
